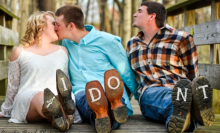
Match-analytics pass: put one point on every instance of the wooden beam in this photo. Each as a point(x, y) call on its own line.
point(206, 33)
point(180, 4)
point(8, 37)
point(8, 12)
point(212, 73)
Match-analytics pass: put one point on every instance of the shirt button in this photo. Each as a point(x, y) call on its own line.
point(79, 46)
point(80, 58)
point(80, 69)
point(85, 74)
point(71, 41)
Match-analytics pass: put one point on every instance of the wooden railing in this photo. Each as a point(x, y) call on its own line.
point(203, 34)
point(207, 34)
point(8, 39)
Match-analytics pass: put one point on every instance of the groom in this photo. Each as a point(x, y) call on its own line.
point(98, 66)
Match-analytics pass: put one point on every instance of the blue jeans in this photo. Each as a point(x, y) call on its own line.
point(85, 111)
point(156, 104)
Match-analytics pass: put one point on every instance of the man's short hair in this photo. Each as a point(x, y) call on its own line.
point(158, 9)
point(72, 13)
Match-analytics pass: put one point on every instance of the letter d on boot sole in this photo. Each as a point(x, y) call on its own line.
point(98, 103)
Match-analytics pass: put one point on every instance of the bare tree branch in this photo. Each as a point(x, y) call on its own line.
point(119, 5)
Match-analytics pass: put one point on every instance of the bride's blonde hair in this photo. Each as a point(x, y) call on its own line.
point(35, 25)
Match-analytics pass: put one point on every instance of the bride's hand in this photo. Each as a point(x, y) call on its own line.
point(1, 116)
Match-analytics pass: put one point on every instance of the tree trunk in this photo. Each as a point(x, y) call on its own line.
point(102, 14)
point(24, 18)
point(87, 10)
point(107, 27)
point(46, 5)
point(14, 11)
point(135, 6)
point(113, 19)
point(3, 3)
point(126, 22)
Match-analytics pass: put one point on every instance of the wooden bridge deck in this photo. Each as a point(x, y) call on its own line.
point(135, 124)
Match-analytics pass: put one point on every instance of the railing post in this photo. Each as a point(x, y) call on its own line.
point(185, 16)
point(212, 18)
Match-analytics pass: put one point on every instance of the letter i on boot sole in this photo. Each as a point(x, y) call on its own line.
point(64, 89)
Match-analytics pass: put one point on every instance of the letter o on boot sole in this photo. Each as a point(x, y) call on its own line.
point(181, 100)
point(98, 103)
point(114, 88)
point(202, 101)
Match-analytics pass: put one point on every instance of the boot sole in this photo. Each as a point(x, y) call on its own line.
point(99, 107)
point(203, 106)
point(102, 125)
point(64, 92)
point(177, 123)
point(114, 89)
point(53, 106)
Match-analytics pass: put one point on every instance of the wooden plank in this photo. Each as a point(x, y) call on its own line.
point(4, 36)
point(206, 33)
point(180, 4)
point(8, 37)
point(216, 101)
point(8, 12)
point(135, 124)
point(212, 73)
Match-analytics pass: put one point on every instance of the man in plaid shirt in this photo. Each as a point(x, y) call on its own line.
point(165, 62)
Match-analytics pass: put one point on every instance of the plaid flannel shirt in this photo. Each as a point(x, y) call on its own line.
point(171, 55)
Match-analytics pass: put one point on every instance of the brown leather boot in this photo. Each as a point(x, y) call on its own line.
point(202, 101)
point(64, 89)
point(181, 100)
point(53, 109)
point(114, 89)
point(98, 103)
point(69, 119)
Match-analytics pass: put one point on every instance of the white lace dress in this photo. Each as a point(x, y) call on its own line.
point(28, 75)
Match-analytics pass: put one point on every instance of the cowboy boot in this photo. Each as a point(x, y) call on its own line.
point(181, 117)
point(114, 88)
point(202, 101)
point(53, 109)
point(98, 103)
point(64, 89)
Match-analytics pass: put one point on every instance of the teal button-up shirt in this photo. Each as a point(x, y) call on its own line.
point(96, 53)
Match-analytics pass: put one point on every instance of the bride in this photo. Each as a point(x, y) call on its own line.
point(37, 73)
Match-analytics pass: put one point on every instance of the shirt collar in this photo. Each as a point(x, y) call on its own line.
point(85, 40)
point(166, 27)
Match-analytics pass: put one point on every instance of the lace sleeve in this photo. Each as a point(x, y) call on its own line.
point(12, 89)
